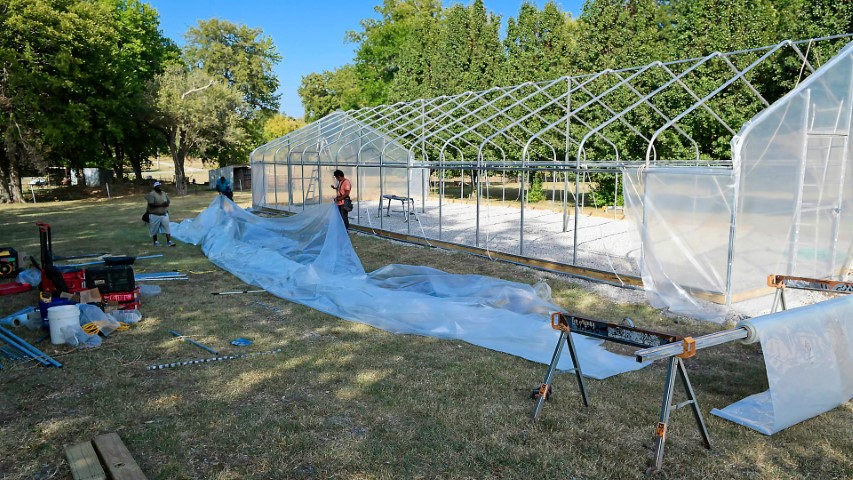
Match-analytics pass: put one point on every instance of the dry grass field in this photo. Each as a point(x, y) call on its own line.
point(347, 401)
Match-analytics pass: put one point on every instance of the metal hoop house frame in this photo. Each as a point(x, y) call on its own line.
point(724, 188)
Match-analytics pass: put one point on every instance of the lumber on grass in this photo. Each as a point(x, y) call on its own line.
point(116, 458)
point(84, 462)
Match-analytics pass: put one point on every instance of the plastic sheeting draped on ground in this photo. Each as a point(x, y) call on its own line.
point(808, 352)
point(308, 259)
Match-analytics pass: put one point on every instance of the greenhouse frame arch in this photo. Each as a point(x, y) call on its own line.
point(725, 178)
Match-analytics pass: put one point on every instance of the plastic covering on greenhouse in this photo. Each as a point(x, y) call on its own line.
point(719, 191)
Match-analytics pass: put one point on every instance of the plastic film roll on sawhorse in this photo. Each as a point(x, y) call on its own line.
point(545, 389)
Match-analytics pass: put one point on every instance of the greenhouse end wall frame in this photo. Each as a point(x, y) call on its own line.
point(725, 180)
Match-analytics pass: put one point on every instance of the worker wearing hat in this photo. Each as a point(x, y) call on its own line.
point(158, 214)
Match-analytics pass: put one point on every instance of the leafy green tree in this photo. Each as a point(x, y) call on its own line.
point(618, 34)
point(381, 44)
point(539, 44)
point(469, 54)
point(323, 93)
point(72, 87)
point(52, 56)
point(199, 115)
point(417, 51)
point(280, 125)
point(239, 54)
point(244, 59)
point(123, 115)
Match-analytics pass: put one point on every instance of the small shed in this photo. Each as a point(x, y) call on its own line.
point(240, 177)
point(92, 177)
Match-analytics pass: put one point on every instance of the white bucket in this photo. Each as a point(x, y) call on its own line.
point(62, 316)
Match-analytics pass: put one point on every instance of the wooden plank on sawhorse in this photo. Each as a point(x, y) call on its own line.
point(84, 462)
point(117, 458)
point(781, 282)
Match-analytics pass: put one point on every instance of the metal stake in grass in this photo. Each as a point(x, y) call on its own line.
point(189, 340)
point(208, 360)
point(237, 292)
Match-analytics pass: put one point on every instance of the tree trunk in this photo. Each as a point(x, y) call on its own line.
point(10, 178)
point(180, 178)
point(118, 163)
point(136, 164)
point(179, 154)
point(16, 195)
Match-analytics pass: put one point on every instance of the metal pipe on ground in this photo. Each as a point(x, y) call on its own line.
point(189, 340)
point(32, 351)
point(207, 360)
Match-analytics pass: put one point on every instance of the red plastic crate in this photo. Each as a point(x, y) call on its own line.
point(125, 300)
point(76, 280)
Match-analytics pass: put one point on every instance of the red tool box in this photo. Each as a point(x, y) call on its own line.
point(125, 300)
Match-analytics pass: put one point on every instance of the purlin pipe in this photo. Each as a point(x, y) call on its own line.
point(32, 351)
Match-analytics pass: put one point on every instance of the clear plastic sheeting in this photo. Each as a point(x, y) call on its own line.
point(785, 208)
point(295, 172)
point(808, 352)
point(795, 204)
point(684, 217)
point(308, 258)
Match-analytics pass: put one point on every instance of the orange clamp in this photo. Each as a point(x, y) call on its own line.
point(689, 344)
point(660, 431)
point(557, 322)
point(772, 281)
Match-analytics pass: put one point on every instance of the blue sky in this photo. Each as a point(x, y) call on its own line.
point(308, 34)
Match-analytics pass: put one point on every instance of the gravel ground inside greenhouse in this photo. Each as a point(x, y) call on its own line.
point(603, 242)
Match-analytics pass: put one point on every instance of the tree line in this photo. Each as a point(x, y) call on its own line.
point(94, 83)
point(419, 49)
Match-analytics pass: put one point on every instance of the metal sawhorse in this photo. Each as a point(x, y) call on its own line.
point(408, 204)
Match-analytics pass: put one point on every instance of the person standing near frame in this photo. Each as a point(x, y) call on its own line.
point(158, 214)
point(343, 188)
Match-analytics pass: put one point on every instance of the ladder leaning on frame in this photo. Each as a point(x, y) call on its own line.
point(636, 337)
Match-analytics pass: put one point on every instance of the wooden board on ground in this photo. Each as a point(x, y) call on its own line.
point(84, 462)
point(116, 458)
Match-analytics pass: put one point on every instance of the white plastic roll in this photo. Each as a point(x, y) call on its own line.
point(808, 352)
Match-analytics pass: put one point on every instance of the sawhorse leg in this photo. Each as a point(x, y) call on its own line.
point(676, 368)
point(545, 389)
point(779, 298)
